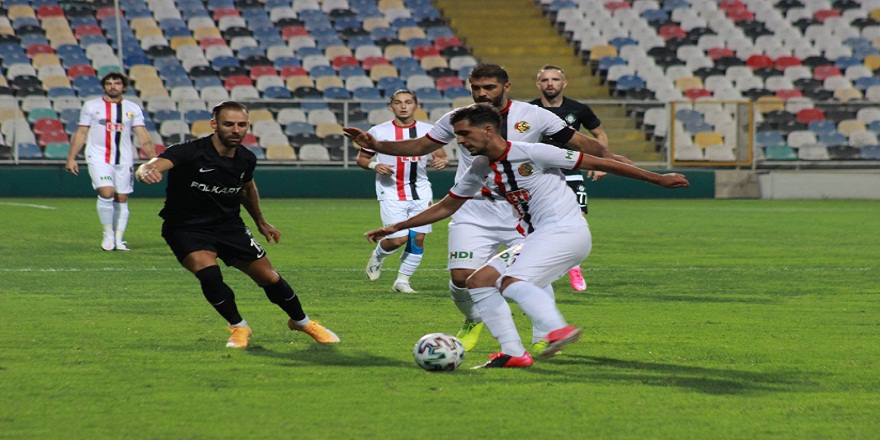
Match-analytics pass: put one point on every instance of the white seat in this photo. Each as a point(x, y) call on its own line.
point(868, 114)
point(267, 81)
point(353, 83)
point(378, 116)
point(288, 115)
point(813, 152)
point(778, 82)
point(316, 117)
point(719, 153)
point(172, 127)
point(862, 138)
point(213, 95)
point(313, 152)
point(798, 103)
point(798, 138)
point(241, 93)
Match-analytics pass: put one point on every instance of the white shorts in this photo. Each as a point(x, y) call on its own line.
point(394, 211)
point(470, 245)
point(546, 255)
point(120, 177)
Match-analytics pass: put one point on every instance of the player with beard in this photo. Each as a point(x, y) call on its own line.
point(209, 179)
point(551, 82)
point(480, 228)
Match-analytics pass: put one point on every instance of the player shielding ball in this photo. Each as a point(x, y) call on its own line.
point(528, 177)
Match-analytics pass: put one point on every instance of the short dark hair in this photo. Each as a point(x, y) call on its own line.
point(115, 75)
point(404, 91)
point(478, 114)
point(551, 67)
point(235, 105)
point(489, 71)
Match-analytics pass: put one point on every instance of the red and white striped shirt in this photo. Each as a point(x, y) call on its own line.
point(410, 178)
point(110, 128)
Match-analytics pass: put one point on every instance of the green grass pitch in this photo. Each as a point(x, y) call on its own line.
point(703, 319)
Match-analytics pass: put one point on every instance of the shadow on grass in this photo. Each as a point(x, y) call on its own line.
point(327, 355)
point(704, 380)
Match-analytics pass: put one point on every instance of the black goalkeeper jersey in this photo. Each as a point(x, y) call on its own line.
point(575, 114)
point(204, 188)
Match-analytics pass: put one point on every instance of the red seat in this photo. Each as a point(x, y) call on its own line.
point(447, 82)
point(807, 115)
point(236, 81)
point(52, 137)
point(80, 70)
point(789, 93)
point(425, 51)
point(225, 12)
point(288, 71)
point(158, 148)
point(758, 61)
point(671, 31)
point(46, 11)
point(87, 29)
point(39, 48)
point(731, 5)
point(250, 140)
point(258, 71)
point(211, 41)
point(738, 15)
point(716, 53)
point(823, 72)
point(46, 125)
point(294, 31)
point(107, 12)
point(344, 60)
point(369, 62)
point(613, 6)
point(446, 41)
point(695, 93)
point(822, 14)
point(786, 61)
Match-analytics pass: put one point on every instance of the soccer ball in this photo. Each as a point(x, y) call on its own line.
point(438, 352)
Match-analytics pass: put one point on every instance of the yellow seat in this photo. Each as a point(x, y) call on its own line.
point(139, 71)
point(382, 70)
point(431, 62)
point(260, 115)
point(397, 51)
point(688, 82)
point(874, 14)
point(767, 104)
point(847, 94)
point(335, 51)
point(406, 33)
point(328, 81)
point(142, 22)
point(45, 59)
point(421, 115)
point(847, 126)
point(325, 129)
point(7, 30)
point(704, 139)
point(148, 82)
point(873, 61)
point(61, 40)
point(295, 82)
point(384, 5)
point(280, 152)
point(371, 23)
point(200, 33)
point(176, 42)
point(201, 128)
point(55, 81)
point(20, 11)
point(600, 51)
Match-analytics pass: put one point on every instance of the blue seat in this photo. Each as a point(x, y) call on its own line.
point(619, 42)
point(196, 115)
point(259, 152)
point(439, 31)
point(654, 15)
point(224, 61)
point(135, 60)
point(866, 81)
point(846, 61)
point(390, 84)
point(286, 61)
point(605, 63)
point(206, 81)
point(428, 93)
point(29, 151)
point(456, 92)
point(874, 126)
point(380, 33)
point(405, 62)
point(628, 82)
point(298, 127)
point(336, 93)
point(369, 93)
point(303, 52)
point(276, 92)
point(346, 72)
point(319, 71)
point(250, 51)
point(407, 71)
point(402, 22)
point(686, 115)
point(161, 116)
point(822, 126)
point(83, 81)
point(360, 40)
point(870, 152)
point(308, 106)
point(833, 139)
point(89, 91)
point(171, 68)
point(69, 114)
point(60, 92)
point(415, 42)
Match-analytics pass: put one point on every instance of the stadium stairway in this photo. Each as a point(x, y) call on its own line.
point(516, 35)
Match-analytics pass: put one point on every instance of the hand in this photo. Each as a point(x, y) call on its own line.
point(72, 167)
point(361, 138)
point(148, 175)
point(270, 232)
point(596, 176)
point(439, 163)
point(673, 180)
point(384, 170)
point(377, 234)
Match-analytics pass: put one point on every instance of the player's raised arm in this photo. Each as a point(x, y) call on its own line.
point(151, 172)
point(671, 180)
point(409, 147)
point(584, 144)
point(438, 211)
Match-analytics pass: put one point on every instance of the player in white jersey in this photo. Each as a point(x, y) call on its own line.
point(105, 128)
point(479, 229)
point(402, 187)
point(527, 176)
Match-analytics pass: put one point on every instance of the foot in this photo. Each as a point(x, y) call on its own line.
point(469, 334)
point(576, 277)
point(239, 336)
point(402, 287)
point(317, 331)
point(120, 246)
point(374, 268)
point(556, 340)
point(501, 360)
point(108, 243)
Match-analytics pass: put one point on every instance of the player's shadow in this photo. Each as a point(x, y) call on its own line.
point(328, 355)
point(705, 380)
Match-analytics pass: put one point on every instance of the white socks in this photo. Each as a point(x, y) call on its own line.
point(462, 298)
point(105, 214)
point(120, 219)
point(538, 305)
point(495, 312)
point(409, 263)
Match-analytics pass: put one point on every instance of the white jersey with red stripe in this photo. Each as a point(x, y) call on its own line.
point(528, 176)
point(110, 129)
point(521, 122)
point(410, 178)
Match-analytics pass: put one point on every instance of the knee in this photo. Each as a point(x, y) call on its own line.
point(459, 277)
point(213, 287)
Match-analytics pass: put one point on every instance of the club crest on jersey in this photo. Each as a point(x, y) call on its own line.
point(569, 119)
point(522, 126)
point(525, 170)
point(129, 115)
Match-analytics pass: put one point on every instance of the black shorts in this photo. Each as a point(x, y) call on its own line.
point(231, 243)
point(580, 191)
